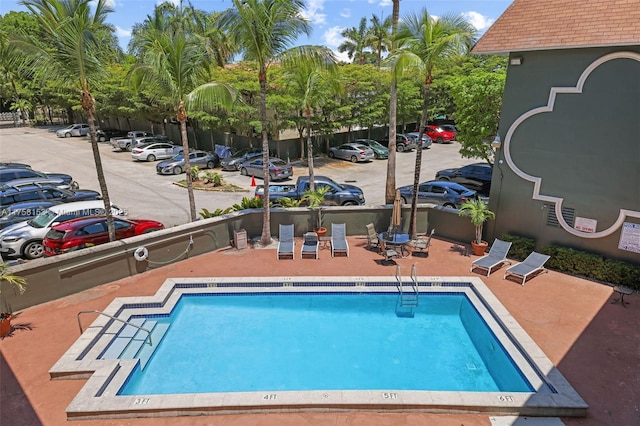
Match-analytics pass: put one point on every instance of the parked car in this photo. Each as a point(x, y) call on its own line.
point(21, 212)
point(103, 135)
point(475, 176)
point(339, 194)
point(91, 231)
point(18, 183)
point(37, 192)
point(448, 194)
point(450, 128)
point(10, 174)
point(78, 129)
point(127, 143)
point(234, 163)
point(175, 165)
point(13, 165)
point(278, 169)
point(353, 152)
point(425, 141)
point(380, 151)
point(403, 142)
point(24, 239)
point(155, 151)
point(439, 135)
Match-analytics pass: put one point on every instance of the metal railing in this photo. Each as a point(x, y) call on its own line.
point(116, 319)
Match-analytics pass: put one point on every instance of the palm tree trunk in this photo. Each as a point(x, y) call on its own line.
point(312, 178)
point(88, 106)
point(416, 174)
point(390, 188)
point(182, 118)
point(265, 239)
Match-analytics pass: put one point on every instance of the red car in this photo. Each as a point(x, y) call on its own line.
point(439, 135)
point(92, 230)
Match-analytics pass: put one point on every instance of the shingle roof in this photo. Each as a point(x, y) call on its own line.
point(563, 24)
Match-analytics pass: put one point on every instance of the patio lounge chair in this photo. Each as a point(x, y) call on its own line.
point(286, 243)
point(421, 244)
point(310, 245)
point(532, 264)
point(372, 237)
point(339, 239)
point(497, 256)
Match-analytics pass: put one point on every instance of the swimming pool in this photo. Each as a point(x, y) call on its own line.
point(331, 343)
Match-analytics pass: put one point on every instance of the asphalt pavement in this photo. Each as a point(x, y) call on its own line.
point(137, 188)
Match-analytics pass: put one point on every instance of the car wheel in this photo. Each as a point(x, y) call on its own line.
point(237, 167)
point(453, 206)
point(151, 158)
point(33, 250)
point(444, 178)
point(350, 203)
point(177, 170)
point(354, 159)
point(128, 147)
point(243, 172)
point(400, 147)
point(404, 200)
point(439, 140)
point(211, 165)
point(67, 135)
point(332, 154)
point(102, 139)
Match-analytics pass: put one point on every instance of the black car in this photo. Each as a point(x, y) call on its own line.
point(403, 142)
point(11, 196)
point(475, 176)
point(103, 135)
point(20, 212)
point(12, 173)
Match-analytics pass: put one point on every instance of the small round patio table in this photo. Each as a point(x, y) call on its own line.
point(396, 239)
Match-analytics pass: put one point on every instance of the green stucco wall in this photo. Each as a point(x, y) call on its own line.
point(586, 151)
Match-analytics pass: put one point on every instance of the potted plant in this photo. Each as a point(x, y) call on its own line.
point(314, 200)
point(478, 212)
point(19, 283)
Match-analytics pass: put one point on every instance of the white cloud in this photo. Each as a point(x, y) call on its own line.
point(479, 21)
point(332, 37)
point(345, 13)
point(312, 12)
point(122, 32)
point(383, 3)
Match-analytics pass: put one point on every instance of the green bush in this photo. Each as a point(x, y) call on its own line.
point(206, 214)
point(521, 247)
point(195, 173)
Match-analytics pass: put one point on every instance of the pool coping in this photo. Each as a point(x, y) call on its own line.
point(98, 397)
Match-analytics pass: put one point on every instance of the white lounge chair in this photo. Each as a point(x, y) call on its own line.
point(339, 239)
point(286, 244)
point(532, 264)
point(310, 245)
point(497, 256)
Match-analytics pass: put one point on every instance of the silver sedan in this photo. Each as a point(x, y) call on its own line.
point(352, 151)
point(155, 151)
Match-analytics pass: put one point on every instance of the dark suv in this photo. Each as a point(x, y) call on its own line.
point(20, 194)
point(475, 176)
point(403, 142)
point(8, 174)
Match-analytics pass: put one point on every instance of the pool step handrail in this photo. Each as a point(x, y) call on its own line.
point(93, 311)
point(407, 300)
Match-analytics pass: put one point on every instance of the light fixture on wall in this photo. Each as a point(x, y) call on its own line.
point(516, 60)
point(496, 143)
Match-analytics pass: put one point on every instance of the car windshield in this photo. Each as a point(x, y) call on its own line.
point(374, 144)
point(43, 219)
point(360, 147)
point(144, 145)
point(178, 157)
point(278, 163)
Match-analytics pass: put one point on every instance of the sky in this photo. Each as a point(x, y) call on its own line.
point(327, 17)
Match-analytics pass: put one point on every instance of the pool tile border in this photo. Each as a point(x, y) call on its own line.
point(99, 399)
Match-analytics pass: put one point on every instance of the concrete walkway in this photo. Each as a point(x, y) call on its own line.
point(595, 344)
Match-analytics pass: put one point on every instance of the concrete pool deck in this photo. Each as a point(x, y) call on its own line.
point(594, 344)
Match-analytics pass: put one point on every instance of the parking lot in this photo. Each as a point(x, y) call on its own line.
point(136, 188)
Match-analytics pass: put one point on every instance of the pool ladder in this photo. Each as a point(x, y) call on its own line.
point(407, 300)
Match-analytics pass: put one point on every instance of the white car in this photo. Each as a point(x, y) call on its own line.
point(24, 239)
point(155, 151)
point(73, 130)
point(426, 140)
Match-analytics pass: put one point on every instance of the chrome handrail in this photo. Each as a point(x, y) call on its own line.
point(113, 318)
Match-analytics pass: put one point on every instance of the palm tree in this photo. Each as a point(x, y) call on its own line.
point(263, 30)
point(427, 42)
point(309, 70)
point(390, 187)
point(379, 38)
point(74, 44)
point(173, 65)
point(355, 42)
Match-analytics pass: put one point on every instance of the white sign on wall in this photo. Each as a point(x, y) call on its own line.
point(630, 237)
point(585, 225)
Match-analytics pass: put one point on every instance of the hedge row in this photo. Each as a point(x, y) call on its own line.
point(579, 263)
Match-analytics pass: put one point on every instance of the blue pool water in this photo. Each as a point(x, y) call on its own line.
point(332, 341)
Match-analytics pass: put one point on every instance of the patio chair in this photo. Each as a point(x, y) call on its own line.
point(421, 244)
point(339, 239)
point(388, 253)
point(286, 243)
point(497, 256)
point(310, 245)
point(532, 264)
point(372, 237)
